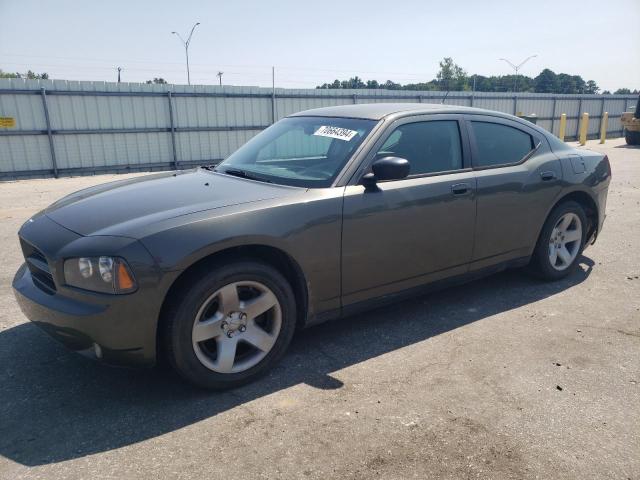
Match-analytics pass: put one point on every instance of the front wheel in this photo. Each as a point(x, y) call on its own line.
point(229, 325)
point(561, 242)
point(632, 137)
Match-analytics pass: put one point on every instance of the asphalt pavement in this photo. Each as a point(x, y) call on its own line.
point(506, 377)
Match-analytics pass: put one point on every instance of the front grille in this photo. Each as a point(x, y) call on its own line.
point(39, 267)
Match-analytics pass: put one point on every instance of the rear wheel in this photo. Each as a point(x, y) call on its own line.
point(561, 242)
point(230, 325)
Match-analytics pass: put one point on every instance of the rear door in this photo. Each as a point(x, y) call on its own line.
point(413, 230)
point(518, 178)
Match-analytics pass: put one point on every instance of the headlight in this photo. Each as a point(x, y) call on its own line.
point(99, 274)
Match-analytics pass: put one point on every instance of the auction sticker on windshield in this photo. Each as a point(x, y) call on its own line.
point(336, 132)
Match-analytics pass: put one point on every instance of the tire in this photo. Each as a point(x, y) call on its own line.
point(204, 306)
point(632, 138)
point(542, 264)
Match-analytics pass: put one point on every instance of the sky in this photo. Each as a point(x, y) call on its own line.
point(310, 43)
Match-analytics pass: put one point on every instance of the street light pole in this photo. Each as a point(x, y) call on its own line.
point(186, 47)
point(517, 69)
point(220, 77)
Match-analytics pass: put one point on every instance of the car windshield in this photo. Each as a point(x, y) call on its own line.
point(299, 151)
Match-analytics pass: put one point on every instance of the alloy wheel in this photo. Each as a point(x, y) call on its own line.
point(565, 241)
point(236, 327)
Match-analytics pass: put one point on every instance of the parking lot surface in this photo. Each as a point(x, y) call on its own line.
point(506, 377)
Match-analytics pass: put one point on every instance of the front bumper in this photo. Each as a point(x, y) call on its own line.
point(106, 330)
point(118, 329)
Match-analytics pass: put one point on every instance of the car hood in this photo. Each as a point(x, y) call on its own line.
point(122, 207)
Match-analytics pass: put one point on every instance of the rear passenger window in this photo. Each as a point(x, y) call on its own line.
point(430, 147)
point(499, 144)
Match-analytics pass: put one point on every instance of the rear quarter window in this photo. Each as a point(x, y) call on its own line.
point(498, 144)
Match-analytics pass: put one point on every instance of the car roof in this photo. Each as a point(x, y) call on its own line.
point(377, 111)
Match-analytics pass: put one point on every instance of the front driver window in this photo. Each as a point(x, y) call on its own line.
point(430, 147)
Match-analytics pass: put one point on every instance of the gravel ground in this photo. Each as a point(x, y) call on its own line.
point(502, 378)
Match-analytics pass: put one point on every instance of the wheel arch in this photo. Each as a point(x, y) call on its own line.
point(586, 201)
point(273, 256)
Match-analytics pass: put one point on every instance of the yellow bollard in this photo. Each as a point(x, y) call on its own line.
point(563, 126)
point(584, 126)
point(603, 127)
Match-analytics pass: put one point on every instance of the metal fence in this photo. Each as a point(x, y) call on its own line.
point(61, 127)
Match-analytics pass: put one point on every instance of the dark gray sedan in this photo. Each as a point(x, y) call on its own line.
point(325, 213)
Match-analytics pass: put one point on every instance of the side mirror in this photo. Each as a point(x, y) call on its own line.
point(387, 168)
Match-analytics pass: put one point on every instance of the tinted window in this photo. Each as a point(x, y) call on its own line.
point(499, 144)
point(430, 147)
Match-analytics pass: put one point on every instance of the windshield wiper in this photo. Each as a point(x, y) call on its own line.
point(236, 172)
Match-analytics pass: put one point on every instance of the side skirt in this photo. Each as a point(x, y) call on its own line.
point(377, 302)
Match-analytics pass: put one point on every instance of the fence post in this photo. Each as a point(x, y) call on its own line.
point(472, 98)
point(273, 105)
point(584, 126)
point(47, 120)
point(563, 126)
point(419, 98)
point(578, 118)
point(172, 127)
point(515, 104)
point(601, 112)
point(553, 114)
point(604, 120)
point(355, 98)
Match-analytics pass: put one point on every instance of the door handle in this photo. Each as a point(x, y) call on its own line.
point(459, 188)
point(546, 176)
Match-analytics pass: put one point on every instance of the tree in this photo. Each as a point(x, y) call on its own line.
point(36, 76)
point(9, 75)
point(567, 83)
point(353, 82)
point(592, 87)
point(546, 82)
point(389, 85)
point(157, 80)
point(451, 76)
point(30, 75)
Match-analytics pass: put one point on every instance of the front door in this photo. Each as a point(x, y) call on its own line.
point(414, 230)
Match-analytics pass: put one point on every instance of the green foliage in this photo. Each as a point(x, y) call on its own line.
point(592, 88)
point(156, 80)
point(546, 82)
point(29, 75)
point(8, 75)
point(453, 77)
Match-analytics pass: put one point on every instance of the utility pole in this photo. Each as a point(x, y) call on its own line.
point(119, 70)
point(186, 47)
point(220, 77)
point(517, 69)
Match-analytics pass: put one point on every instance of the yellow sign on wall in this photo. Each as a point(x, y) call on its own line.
point(7, 122)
